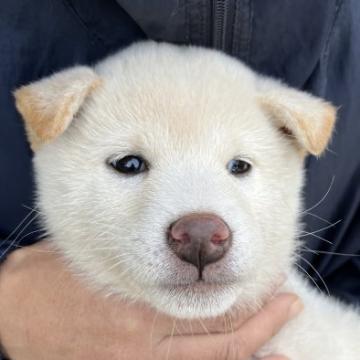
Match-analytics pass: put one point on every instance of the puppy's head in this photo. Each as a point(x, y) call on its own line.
point(172, 175)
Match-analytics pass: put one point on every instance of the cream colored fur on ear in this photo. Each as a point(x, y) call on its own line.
point(49, 105)
point(308, 118)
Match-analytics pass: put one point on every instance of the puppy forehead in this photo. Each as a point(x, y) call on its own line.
point(179, 97)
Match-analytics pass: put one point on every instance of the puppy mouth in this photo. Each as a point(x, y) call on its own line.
point(198, 285)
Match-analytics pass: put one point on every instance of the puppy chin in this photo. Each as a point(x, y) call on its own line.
point(189, 302)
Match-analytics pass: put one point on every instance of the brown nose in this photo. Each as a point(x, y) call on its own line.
point(199, 239)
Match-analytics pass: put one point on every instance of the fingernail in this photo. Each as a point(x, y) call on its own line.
point(295, 308)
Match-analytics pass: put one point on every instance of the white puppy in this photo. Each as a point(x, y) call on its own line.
point(173, 175)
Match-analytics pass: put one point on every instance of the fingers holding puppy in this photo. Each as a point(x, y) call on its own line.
point(244, 342)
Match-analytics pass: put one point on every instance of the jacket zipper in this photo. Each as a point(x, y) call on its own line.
point(222, 12)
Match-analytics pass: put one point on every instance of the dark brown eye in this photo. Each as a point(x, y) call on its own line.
point(130, 165)
point(238, 167)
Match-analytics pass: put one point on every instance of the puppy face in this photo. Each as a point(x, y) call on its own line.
point(157, 134)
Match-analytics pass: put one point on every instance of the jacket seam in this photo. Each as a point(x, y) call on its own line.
point(187, 20)
point(93, 35)
point(242, 29)
point(326, 50)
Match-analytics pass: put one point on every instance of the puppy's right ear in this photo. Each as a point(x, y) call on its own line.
point(49, 105)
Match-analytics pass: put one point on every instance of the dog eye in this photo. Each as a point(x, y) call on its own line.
point(238, 167)
point(130, 164)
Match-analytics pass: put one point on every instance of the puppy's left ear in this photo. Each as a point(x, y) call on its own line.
point(49, 105)
point(310, 120)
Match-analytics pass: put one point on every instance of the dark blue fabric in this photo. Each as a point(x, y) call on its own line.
point(313, 45)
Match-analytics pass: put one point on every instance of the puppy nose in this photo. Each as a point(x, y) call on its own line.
point(199, 239)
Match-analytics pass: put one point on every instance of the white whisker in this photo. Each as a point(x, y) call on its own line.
point(19, 225)
point(170, 340)
point(330, 253)
point(306, 233)
point(323, 198)
point(316, 216)
point(324, 228)
point(309, 276)
point(317, 273)
point(13, 242)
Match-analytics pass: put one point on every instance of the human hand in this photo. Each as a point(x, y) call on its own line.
point(47, 313)
point(249, 335)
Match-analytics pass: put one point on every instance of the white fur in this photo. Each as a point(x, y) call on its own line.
point(188, 111)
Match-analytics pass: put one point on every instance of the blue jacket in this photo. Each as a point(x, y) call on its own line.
point(312, 45)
